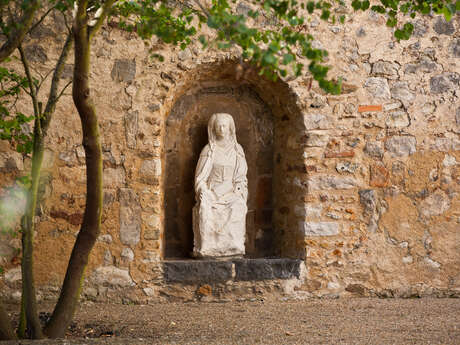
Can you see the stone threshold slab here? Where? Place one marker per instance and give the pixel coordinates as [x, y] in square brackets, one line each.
[215, 271]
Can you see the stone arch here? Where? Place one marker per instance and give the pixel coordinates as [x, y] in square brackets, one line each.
[264, 113]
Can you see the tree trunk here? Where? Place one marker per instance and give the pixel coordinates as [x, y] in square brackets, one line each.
[67, 303]
[6, 331]
[28, 286]
[29, 314]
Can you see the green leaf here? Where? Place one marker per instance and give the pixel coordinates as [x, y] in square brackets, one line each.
[446, 12]
[391, 22]
[365, 5]
[288, 58]
[356, 4]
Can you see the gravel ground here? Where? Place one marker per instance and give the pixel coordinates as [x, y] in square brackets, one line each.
[314, 321]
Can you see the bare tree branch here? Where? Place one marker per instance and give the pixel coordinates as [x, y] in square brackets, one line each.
[41, 19]
[32, 88]
[19, 31]
[53, 95]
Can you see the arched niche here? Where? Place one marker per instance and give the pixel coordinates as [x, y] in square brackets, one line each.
[264, 112]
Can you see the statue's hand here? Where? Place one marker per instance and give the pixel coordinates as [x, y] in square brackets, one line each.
[205, 195]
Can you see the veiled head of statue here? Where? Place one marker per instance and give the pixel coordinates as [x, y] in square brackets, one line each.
[221, 126]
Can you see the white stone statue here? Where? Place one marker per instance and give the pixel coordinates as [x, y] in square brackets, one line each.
[219, 216]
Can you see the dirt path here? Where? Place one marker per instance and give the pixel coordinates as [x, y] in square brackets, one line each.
[341, 321]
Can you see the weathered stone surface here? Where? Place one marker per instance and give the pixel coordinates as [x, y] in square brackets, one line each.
[202, 271]
[444, 27]
[106, 238]
[184, 54]
[420, 28]
[124, 70]
[112, 276]
[377, 87]
[317, 139]
[150, 171]
[324, 182]
[401, 146]
[379, 175]
[385, 69]
[114, 177]
[11, 161]
[36, 53]
[13, 275]
[444, 82]
[454, 48]
[374, 149]
[319, 228]
[131, 128]
[435, 204]
[397, 119]
[130, 217]
[400, 91]
[309, 210]
[368, 199]
[127, 254]
[346, 167]
[316, 121]
[266, 269]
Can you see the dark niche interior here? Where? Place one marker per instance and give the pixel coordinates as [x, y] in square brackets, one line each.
[185, 137]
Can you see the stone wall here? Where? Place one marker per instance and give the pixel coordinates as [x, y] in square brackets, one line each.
[363, 186]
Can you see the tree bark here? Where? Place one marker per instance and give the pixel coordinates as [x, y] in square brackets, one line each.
[29, 313]
[18, 33]
[6, 331]
[89, 231]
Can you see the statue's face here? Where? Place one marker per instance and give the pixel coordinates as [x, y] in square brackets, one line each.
[222, 127]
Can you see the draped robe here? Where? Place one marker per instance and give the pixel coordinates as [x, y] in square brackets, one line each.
[219, 218]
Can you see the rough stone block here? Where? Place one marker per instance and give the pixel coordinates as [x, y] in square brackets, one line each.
[435, 204]
[131, 128]
[11, 161]
[114, 177]
[368, 198]
[374, 149]
[401, 146]
[330, 182]
[379, 175]
[319, 228]
[309, 210]
[202, 271]
[130, 217]
[385, 69]
[443, 82]
[317, 139]
[397, 119]
[454, 48]
[443, 27]
[266, 269]
[112, 276]
[316, 121]
[150, 170]
[400, 91]
[346, 167]
[124, 70]
[377, 87]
